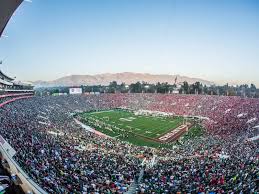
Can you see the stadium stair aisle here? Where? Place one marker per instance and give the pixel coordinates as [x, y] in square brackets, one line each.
[140, 175]
[134, 185]
[132, 189]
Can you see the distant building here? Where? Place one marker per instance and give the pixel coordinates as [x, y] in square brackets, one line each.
[9, 85]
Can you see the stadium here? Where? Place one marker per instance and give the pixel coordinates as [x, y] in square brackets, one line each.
[49, 136]
[126, 142]
[136, 126]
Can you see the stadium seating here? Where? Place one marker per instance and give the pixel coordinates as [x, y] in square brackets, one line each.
[47, 142]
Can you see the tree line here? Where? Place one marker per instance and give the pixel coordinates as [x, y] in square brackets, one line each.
[243, 90]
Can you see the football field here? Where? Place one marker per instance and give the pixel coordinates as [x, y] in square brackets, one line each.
[140, 129]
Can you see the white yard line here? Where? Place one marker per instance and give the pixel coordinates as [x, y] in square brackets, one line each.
[89, 129]
[92, 113]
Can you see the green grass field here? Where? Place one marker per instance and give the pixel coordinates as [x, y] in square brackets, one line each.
[139, 129]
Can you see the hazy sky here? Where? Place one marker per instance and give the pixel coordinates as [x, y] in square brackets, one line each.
[212, 39]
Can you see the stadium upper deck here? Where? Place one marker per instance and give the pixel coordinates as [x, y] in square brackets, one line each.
[9, 85]
[7, 8]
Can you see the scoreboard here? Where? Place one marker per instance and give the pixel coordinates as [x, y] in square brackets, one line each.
[75, 90]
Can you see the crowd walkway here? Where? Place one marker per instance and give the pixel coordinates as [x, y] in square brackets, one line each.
[135, 184]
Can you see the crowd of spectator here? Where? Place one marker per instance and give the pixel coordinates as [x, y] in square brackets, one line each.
[62, 157]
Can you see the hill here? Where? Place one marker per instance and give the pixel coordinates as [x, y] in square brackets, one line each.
[126, 77]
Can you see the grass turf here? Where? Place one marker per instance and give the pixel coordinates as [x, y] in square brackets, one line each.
[148, 126]
[140, 127]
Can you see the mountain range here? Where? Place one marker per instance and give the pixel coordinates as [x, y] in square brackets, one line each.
[126, 77]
